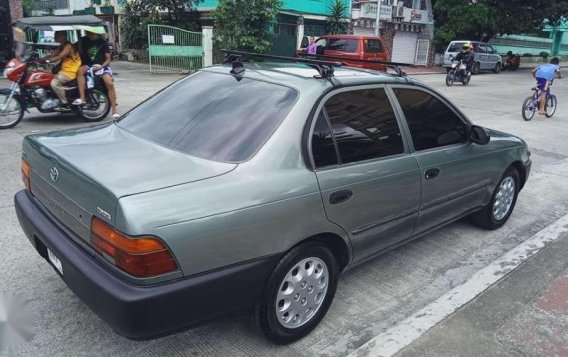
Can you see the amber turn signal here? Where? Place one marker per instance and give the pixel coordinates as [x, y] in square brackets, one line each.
[138, 256]
[26, 169]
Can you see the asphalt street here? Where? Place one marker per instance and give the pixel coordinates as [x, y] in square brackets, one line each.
[370, 299]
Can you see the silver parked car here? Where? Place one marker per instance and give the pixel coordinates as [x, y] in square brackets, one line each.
[251, 187]
[486, 58]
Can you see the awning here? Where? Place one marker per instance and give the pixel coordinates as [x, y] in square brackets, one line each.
[61, 23]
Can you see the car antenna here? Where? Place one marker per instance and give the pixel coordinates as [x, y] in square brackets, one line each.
[324, 68]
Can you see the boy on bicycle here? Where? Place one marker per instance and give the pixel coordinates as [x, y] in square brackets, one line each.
[544, 75]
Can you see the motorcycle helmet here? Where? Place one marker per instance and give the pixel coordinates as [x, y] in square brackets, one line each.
[465, 47]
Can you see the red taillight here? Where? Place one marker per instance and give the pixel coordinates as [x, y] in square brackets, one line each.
[26, 168]
[140, 256]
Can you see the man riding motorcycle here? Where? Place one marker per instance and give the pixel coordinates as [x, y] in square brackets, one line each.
[466, 56]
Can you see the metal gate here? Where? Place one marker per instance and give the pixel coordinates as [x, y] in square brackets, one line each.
[6, 35]
[284, 43]
[174, 50]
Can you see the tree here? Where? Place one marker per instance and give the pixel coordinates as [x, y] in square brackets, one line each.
[336, 20]
[245, 24]
[138, 14]
[483, 19]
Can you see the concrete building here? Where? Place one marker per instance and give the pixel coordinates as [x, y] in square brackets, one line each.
[297, 19]
[10, 11]
[406, 27]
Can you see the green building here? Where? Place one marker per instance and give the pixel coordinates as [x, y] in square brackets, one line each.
[297, 18]
[552, 40]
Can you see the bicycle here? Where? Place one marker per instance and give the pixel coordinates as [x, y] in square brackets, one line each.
[532, 104]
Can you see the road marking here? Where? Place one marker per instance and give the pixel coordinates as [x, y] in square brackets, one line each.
[407, 331]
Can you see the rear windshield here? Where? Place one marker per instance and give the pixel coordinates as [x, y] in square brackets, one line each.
[341, 44]
[455, 47]
[212, 116]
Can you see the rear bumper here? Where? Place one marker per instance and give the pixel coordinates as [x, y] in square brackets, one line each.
[142, 312]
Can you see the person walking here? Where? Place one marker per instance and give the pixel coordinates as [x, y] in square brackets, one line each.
[95, 55]
[312, 47]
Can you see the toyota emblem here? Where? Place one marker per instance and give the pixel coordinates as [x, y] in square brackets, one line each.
[54, 174]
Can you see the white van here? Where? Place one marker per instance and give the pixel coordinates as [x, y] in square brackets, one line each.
[486, 58]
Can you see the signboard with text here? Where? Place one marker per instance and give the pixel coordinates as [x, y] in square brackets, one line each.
[369, 10]
[416, 16]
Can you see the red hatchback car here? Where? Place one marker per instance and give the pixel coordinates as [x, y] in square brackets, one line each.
[350, 48]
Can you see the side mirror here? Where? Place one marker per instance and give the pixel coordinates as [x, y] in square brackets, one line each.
[479, 135]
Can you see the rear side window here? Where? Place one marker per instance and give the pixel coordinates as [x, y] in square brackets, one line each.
[341, 44]
[323, 148]
[212, 116]
[432, 123]
[455, 46]
[364, 125]
[373, 46]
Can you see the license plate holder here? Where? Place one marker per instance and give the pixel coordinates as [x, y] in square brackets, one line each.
[55, 261]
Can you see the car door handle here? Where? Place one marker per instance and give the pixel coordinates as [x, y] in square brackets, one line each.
[340, 196]
[431, 173]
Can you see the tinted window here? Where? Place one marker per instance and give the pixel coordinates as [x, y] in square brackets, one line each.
[323, 149]
[364, 125]
[373, 46]
[212, 116]
[455, 47]
[341, 44]
[431, 122]
[479, 48]
[490, 49]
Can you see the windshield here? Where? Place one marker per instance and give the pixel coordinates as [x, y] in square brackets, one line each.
[455, 47]
[212, 116]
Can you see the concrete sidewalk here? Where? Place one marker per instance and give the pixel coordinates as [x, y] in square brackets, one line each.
[524, 314]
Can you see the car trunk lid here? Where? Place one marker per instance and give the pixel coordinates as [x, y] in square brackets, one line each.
[79, 174]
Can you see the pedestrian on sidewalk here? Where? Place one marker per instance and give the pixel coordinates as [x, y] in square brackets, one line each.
[312, 47]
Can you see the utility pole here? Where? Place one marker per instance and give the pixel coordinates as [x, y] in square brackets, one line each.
[377, 22]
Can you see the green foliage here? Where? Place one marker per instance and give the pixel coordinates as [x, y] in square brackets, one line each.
[245, 24]
[544, 54]
[27, 7]
[528, 55]
[336, 20]
[482, 19]
[138, 14]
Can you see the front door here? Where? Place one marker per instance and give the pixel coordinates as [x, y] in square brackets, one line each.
[452, 169]
[369, 182]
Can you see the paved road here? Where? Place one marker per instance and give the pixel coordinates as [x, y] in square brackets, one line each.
[369, 300]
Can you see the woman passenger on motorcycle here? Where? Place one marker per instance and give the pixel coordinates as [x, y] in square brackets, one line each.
[70, 63]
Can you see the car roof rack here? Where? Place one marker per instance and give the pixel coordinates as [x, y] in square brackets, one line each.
[393, 65]
[324, 68]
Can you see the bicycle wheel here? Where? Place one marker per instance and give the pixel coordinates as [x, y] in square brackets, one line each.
[529, 108]
[550, 106]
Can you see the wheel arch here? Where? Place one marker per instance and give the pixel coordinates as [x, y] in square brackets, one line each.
[339, 247]
[521, 170]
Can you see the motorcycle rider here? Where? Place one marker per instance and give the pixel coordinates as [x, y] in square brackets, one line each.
[466, 56]
[70, 63]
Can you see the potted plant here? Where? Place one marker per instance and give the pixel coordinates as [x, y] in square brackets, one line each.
[95, 2]
[90, 10]
[108, 8]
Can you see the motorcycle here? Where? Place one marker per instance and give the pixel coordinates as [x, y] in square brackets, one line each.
[31, 87]
[511, 63]
[458, 73]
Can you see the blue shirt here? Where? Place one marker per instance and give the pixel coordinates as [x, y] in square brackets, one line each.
[546, 71]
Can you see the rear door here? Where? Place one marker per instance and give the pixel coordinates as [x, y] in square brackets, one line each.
[453, 170]
[369, 182]
[345, 48]
[374, 50]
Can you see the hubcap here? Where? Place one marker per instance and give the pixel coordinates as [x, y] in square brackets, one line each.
[302, 292]
[504, 198]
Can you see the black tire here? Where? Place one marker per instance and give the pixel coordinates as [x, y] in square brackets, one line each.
[486, 218]
[466, 79]
[265, 315]
[92, 111]
[450, 78]
[448, 69]
[497, 68]
[528, 110]
[18, 112]
[550, 106]
[475, 68]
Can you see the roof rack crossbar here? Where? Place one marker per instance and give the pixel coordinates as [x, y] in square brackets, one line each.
[394, 65]
[324, 68]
